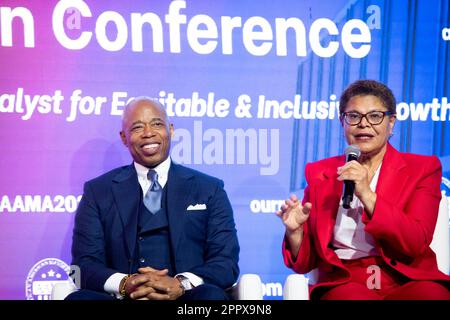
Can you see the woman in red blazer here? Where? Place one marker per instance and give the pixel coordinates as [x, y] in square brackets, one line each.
[379, 248]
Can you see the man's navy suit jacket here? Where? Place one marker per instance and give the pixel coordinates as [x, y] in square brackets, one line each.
[204, 242]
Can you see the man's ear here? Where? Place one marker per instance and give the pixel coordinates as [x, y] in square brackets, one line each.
[171, 130]
[123, 138]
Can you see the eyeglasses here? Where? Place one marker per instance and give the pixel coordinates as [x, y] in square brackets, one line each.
[353, 118]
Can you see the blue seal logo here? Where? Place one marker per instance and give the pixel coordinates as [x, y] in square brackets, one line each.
[43, 276]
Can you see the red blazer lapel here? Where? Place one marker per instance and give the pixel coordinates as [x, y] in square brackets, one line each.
[326, 195]
[393, 175]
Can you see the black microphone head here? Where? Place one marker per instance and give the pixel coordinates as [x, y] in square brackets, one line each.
[352, 152]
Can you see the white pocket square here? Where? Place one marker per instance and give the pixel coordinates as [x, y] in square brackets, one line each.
[197, 207]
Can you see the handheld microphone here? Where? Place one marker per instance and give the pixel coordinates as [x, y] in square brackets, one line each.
[352, 152]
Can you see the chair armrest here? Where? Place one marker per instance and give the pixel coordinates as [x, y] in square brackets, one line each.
[440, 243]
[62, 289]
[249, 287]
[296, 287]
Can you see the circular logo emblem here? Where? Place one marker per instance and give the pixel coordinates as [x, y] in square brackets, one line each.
[43, 276]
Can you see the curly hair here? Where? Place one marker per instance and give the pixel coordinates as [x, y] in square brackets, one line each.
[365, 88]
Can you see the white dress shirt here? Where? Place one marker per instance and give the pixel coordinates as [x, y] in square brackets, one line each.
[350, 240]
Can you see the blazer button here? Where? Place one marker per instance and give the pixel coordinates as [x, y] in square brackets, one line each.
[142, 260]
[141, 238]
[393, 262]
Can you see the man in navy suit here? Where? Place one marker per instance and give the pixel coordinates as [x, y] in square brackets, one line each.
[186, 248]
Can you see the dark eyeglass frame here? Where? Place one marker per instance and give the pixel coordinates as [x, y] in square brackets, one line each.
[385, 113]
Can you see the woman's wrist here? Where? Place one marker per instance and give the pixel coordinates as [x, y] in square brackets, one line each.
[296, 232]
[369, 203]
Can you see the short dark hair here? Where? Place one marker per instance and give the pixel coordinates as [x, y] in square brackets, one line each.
[368, 88]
